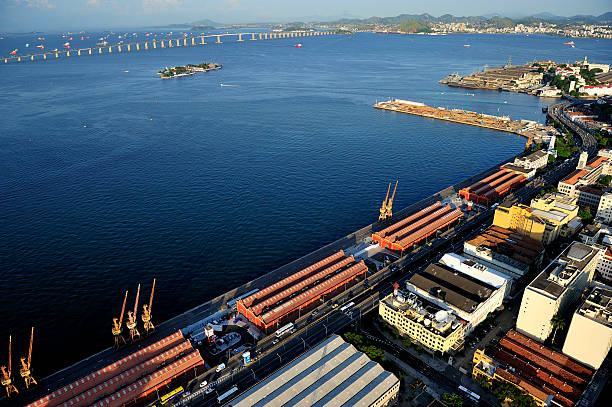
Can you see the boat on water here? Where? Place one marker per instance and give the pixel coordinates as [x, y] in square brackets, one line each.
[466, 45]
[40, 46]
[298, 45]
[569, 43]
[13, 52]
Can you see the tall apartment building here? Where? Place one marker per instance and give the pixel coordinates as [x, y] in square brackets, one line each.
[590, 333]
[579, 183]
[554, 289]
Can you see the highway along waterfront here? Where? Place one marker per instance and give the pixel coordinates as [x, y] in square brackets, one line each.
[113, 178]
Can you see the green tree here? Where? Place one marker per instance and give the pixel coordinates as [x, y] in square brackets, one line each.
[523, 400]
[605, 180]
[484, 383]
[452, 400]
[585, 214]
[504, 391]
[557, 321]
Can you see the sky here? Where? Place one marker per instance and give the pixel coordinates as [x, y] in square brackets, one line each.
[29, 15]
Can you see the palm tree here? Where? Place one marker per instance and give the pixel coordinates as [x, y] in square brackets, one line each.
[557, 322]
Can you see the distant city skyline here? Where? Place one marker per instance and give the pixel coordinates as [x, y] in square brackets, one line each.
[27, 15]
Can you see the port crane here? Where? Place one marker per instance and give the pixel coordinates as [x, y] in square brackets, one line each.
[133, 319]
[146, 312]
[117, 323]
[383, 208]
[386, 210]
[25, 370]
[6, 380]
[529, 143]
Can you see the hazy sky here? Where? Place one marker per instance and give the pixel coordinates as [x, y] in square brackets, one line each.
[25, 15]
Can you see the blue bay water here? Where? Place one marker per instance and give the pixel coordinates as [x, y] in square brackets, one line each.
[110, 178]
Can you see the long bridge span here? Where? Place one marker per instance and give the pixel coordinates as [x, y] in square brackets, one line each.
[162, 43]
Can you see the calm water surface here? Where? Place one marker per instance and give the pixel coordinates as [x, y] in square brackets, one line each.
[110, 178]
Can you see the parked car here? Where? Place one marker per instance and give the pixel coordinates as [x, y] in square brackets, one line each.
[220, 367]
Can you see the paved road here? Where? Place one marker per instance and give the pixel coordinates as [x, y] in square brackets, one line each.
[586, 139]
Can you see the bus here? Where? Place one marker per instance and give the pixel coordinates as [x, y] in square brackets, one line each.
[347, 306]
[173, 394]
[227, 394]
[284, 330]
[470, 394]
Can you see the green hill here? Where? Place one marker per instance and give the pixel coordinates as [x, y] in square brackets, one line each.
[413, 26]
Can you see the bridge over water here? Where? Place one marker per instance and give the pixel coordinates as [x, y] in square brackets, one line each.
[163, 43]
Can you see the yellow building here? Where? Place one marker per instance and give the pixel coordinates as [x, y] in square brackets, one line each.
[423, 322]
[547, 217]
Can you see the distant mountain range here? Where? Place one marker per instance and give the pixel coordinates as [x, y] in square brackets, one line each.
[496, 19]
[208, 24]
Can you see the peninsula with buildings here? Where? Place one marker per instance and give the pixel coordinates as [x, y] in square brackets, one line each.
[551, 79]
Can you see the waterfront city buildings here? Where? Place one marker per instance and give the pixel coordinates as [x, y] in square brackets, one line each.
[549, 377]
[589, 337]
[557, 287]
[546, 219]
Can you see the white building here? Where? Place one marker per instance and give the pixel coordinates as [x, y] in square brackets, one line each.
[604, 265]
[603, 89]
[590, 333]
[535, 160]
[554, 289]
[469, 298]
[604, 210]
[479, 271]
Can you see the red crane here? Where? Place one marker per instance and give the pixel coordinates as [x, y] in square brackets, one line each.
[6, 380]
[146, 312]
[119, 339]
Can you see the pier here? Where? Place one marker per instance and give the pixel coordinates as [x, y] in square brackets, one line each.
[500, 123]
[193, 41]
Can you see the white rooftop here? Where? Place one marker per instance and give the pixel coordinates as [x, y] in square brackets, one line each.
[475, 269]
[333, 373]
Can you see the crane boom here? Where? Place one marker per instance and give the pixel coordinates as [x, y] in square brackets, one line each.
[387, 197]
[9, 361]
[151, 298]
[30, 351]
[392, 196]
[136, 303]
[123, 308]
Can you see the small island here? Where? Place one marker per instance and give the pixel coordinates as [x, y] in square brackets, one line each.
[187, 70]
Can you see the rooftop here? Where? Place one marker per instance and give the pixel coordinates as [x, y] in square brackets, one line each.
[474, 269]
[591, 190]
[333, 373]
[574, 176]
[598, 306]
[559, 274]
[458, 290]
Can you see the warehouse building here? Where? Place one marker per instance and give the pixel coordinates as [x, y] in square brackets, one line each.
[505, 250]
[417, 227]
[425, 322]
[288, 299]
[590, 333]
[549, 377]
[468, 297]
[559, 285]
[130, 378]
[333, 373]
[490, 189]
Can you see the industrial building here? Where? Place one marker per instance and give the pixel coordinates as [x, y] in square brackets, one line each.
[417, 227]
[470, 298]
[559, 285]
[488, 190]
[547, 218]
[549, 377]
[130, 378]
[285, 300]
[425, 322]
[333, 373]
[590, 333]
[478, 271]
[505, 250]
